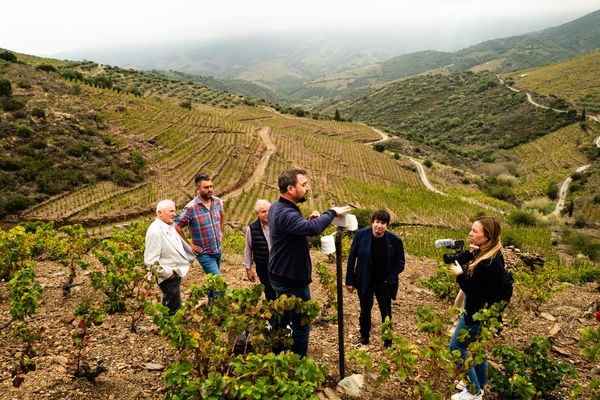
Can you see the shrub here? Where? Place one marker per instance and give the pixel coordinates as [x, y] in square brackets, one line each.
[24, 131]
[552, 191]
[541, 204]
[12, 104]
[209, 337]
[46, 67]
[71, 75]
[5, 87]
[579, 243]
[186, 104]
[14, 203]
[38, 112]
[523, 218]
[529, 374]
[428, 163]
[24, 85]
[442, 283]
[379, 147]
[8, 56]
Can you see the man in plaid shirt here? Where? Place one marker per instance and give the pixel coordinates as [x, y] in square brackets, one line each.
[205, 218]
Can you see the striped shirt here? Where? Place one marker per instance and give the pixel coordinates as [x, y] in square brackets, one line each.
[204, 224]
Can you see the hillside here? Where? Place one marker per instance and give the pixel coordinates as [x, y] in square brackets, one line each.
[52, 142]
[576, 81]
[547, 46]
[230, 141]
[468, 114]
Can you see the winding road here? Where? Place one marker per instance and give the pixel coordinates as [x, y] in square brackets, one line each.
[564, 187]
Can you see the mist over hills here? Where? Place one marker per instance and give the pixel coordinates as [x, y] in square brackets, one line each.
[512, 53]
[284, 61]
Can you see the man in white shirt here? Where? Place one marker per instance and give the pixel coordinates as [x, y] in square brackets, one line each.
[258, 245]
[167, 255]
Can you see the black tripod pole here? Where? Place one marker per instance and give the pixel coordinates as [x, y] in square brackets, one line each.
[340, 300]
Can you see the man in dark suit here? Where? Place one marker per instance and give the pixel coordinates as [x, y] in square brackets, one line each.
[375, 261]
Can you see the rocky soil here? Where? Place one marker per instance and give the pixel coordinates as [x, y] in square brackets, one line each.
[135, 360]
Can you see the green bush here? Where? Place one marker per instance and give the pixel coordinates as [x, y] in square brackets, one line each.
[5, 87]
[552, 191]
[24, 85]
[71, 75]
[522, 218]
[8, 56]
[46, 67]
[11, 104]
[528, 374]
[442, 283]
[13, 203]
[580, 243]
[38, 112]
[24, 131]
[186, 104]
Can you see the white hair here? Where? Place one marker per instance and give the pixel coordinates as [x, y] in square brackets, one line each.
[259, 203]
[163, 204]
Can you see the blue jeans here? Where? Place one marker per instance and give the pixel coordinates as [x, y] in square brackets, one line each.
[210, 263]
[171, 294]
[300, 332]
[477, 375]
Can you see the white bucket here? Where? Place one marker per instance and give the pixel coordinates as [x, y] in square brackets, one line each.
[347, 221]
[328, 244]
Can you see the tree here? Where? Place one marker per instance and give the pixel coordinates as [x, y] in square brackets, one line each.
[5, 87]
[583, 116]
[337, 116]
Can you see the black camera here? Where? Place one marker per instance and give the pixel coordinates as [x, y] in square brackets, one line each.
[456, 245]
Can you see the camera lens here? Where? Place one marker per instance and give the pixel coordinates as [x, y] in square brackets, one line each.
[449, 258]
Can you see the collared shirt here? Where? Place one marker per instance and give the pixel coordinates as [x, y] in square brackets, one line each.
[248, 249]
[204, 224]
[171, 233]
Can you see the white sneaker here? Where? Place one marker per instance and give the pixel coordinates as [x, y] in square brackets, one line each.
[462, 385]
[465, 395]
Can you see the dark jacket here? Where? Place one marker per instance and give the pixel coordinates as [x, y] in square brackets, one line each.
[289, 261]
[483, 287]
[358, 274]
[260, 247]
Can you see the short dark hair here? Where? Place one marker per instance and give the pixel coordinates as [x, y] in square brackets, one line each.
[201, 177]
[382, 216]
[289, 178]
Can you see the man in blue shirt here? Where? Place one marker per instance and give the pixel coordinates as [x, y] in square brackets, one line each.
[290, 267]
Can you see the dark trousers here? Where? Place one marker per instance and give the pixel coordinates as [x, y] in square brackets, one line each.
[383, 292]
[263, 276]
[300, 331]
[171, 294]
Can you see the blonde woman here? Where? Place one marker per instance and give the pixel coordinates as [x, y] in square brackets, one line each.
[480, 282]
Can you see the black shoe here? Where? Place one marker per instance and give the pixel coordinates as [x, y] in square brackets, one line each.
[387, 343]
[364, 340]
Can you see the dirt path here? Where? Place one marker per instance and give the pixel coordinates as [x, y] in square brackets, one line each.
[564, 187]
[384, 136]
[529, 98]
[259, 171]
[424, 178]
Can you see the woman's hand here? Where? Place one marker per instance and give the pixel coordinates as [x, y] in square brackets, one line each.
[456, 269]
[473, 248]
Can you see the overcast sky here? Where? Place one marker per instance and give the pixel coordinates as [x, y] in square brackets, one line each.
[47, 27]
